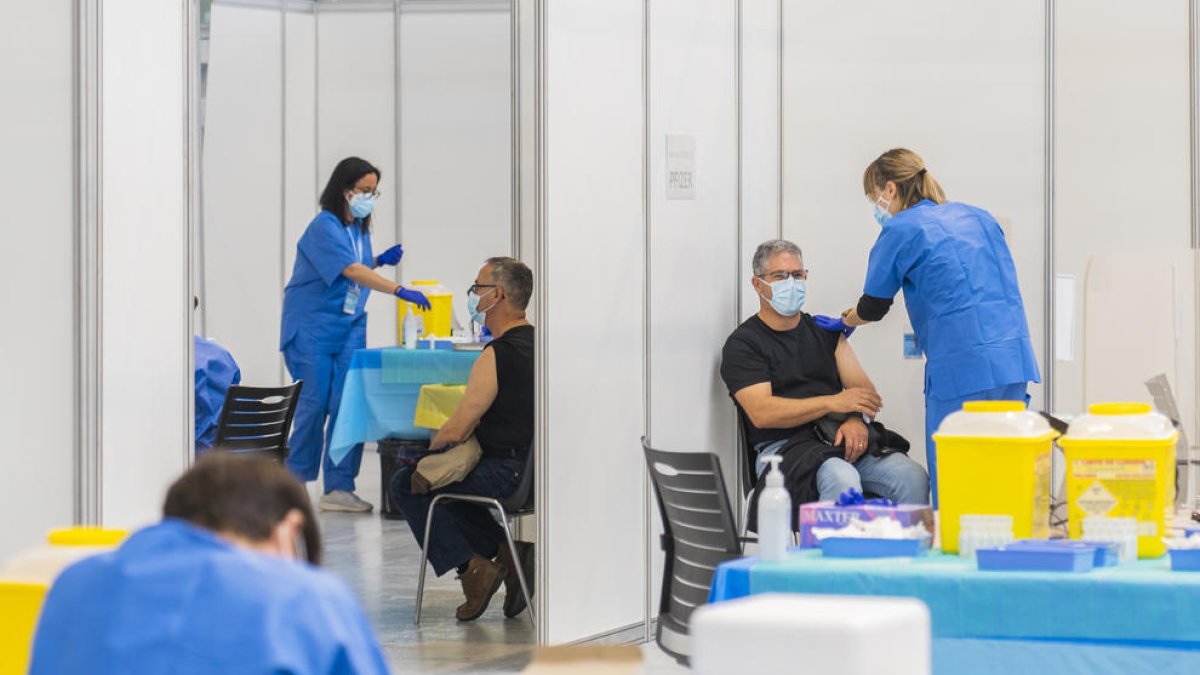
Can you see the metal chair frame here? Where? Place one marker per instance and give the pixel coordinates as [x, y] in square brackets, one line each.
[519, 504]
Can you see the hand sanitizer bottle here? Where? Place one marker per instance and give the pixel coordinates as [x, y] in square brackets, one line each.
[774, 515]
[410, 329]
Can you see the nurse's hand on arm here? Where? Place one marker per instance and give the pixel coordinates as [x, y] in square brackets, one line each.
[363, 276]
[482, 388]
[853, 433]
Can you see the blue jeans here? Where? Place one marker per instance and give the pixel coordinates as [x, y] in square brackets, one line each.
[323, 375]
[937, 410]
[460, 529]
[893, 476]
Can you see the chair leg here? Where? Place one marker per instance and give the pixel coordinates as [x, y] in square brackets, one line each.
[512, 549]
[424, 559]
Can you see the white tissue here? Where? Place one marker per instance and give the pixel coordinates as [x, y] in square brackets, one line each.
[878, 528]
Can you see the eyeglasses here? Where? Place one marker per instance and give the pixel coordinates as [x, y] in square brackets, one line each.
[475, 287]
[374, 194]
[780, 275]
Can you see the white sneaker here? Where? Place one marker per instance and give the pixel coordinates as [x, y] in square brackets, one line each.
[341, 500]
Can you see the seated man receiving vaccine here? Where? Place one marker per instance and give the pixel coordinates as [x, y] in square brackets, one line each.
[804, 395]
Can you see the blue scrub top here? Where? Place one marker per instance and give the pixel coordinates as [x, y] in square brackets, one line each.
[174, 598]
[215, 372]
[960, 287]
[313, 320]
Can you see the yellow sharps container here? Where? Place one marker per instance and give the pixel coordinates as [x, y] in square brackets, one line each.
[438, 319]
[26, 579]
[1121, 464]
[993, 458]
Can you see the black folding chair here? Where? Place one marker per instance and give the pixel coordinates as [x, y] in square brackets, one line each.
[698, 534]
[515, 505]
[257, 420]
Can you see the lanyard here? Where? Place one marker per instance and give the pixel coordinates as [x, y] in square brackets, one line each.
[355, 242]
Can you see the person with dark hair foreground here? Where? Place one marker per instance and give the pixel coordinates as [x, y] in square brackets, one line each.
[216, 587]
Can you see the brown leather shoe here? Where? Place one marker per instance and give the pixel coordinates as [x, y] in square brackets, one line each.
[514, 600]
[480, 582]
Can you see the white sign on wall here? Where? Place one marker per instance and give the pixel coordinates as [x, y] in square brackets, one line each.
[681, 166]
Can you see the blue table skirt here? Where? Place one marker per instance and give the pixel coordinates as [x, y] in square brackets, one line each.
[1136, 613]
[381, 391]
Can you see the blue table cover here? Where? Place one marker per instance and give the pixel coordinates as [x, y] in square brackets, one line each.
[1137, 617]
[381, 390]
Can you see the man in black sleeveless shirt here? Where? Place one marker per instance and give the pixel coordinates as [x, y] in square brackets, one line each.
[497, 409]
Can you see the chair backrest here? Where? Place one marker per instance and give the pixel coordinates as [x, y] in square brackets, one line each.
[747, 455]
[257, 420]
[699, 534]
[521, 499]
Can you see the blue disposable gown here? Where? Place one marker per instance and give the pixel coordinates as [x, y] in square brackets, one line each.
[313, 300]
[216, 371]
[960, 287]
[177, 599]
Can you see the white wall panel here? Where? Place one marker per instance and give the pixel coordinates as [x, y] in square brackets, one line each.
[301, 175]
[146, 300]
[356, 117]
[1122, 158]
[243, 188]
[761, 140]
[37, 348]
[963, 88]
[594, 242]
[455, 145]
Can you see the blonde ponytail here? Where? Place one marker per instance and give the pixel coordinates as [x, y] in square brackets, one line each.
[907, 170]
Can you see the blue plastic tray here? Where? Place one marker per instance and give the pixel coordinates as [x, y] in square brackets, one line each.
[1036, 558]
[1185, 560]
[1107, 554]
[850, 547]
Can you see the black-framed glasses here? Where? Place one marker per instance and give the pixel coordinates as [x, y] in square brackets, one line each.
[475, 287]
[780, 275]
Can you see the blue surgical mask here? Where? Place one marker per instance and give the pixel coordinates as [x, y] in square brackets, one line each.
[479, 317]
[361, 205]
[881, 211]
[787, 296]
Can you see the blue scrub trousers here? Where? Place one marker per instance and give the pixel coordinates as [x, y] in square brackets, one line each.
[323, 375]
[936, 410]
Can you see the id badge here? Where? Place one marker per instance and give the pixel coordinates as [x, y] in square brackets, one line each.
[351, 303]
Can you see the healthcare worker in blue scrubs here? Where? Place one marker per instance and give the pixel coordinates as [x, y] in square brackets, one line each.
[960, 288]
[325, 320]
[221, 586]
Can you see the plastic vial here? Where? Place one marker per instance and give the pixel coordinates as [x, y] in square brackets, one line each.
[410, 329]
[774, 515]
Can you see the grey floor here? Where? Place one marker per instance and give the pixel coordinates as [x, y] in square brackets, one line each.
[378, 558]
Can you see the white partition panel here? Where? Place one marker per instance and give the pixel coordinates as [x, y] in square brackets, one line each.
[1122, 179]
[593, 554]
[243, 188]
[693, 241]
[965, 89]
[455, 147]
[761, 126]
[300, 171]
[356, 117]
[37, 351]
[147, 378]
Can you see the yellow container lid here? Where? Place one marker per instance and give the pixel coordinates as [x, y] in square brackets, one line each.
[1121, 421]
[996, 420]
[86, 536]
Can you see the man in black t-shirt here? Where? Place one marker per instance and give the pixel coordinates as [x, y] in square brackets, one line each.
[803, 394]
[497, 409]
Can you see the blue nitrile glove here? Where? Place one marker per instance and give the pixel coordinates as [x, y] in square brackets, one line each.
[391, 256]
[852, 497]
[415, 297]
[833, 324]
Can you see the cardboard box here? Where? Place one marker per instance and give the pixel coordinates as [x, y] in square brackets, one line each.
[826, 514]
